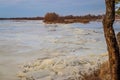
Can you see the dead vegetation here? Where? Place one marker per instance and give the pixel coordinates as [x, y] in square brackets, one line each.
[55, 18]
[103, 73]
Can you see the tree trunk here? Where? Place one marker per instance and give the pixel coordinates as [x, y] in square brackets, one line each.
[111, 41]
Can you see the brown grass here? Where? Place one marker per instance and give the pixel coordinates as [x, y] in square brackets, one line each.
[103, 73]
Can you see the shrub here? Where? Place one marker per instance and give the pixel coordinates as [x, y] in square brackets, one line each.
[51, 17]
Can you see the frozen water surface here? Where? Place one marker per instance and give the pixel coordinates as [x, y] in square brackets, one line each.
[23, 41]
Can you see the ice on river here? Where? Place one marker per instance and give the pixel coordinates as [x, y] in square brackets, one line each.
[57, 50]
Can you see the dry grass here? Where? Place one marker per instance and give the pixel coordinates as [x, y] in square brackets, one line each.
[101, 74]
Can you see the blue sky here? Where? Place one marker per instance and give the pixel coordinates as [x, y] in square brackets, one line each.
[29, 8]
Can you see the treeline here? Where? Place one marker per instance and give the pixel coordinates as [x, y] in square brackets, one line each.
[23, 18]
[55, 18]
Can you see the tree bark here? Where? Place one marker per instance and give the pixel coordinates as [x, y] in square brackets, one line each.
[111, 41]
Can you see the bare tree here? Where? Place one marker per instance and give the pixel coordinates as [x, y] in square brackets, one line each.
[111, 41]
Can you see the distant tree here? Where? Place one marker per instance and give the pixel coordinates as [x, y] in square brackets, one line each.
[51, 17]
[112, 45]
[117, 7]
[117, 1]
[69, 17]
[118, 38]
[118, 11]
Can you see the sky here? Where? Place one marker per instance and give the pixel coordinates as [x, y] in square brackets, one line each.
[33, 8]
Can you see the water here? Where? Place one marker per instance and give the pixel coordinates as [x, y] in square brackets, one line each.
[22, 41]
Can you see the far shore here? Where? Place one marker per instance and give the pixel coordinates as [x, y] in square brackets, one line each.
[55, 18]
[65, 19]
